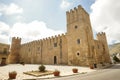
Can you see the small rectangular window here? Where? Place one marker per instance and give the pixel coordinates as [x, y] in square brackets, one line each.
[78, 41]
[55, 44]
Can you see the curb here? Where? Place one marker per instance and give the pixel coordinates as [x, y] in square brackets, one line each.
[58, 76]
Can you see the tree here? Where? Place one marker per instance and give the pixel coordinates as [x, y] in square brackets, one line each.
[115, 58]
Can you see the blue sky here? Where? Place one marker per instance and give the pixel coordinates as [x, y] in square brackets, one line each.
[35, 19]
[44, 10]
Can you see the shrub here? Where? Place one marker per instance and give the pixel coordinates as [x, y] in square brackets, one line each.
[42, 68]
[115, 58]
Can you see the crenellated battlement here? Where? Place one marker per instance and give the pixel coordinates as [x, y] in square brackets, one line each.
[76, 9]
[101, 34]
[76, 14]
[48, 40]
[16, 40]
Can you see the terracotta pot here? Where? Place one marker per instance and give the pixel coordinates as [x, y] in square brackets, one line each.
[91, 67]
[12, 76]
[56, 73]
[75, 70]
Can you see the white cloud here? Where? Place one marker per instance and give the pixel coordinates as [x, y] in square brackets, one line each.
[65, 4]
[32, 31]
[10, 9]
[19, 18]
[3, 26]
[105, 17]
[0, 14]
[4, 32]
[27, 31]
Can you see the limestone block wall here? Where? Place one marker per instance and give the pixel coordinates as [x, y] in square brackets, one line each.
[4, 48]
[4, 51]
[102, 38]
[30, 52]
[99, 53]
[14, 50]
[44, 51]
[79, 37]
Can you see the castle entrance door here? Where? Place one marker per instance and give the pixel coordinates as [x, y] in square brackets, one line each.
[55, 60]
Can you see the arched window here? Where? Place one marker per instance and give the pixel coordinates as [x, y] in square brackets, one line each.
[78, 54]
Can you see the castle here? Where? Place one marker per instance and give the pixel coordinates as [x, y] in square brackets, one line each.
[76, 47]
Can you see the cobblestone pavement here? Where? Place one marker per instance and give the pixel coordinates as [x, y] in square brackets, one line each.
[65, 70]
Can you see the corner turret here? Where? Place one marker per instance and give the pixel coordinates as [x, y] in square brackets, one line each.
[15, 50]
[102, 38]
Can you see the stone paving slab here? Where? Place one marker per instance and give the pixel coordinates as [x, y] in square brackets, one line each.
[64, 70]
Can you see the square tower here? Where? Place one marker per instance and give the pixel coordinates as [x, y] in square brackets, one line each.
[79, 37]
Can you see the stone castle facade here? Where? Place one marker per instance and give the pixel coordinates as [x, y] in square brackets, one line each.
[76, 47]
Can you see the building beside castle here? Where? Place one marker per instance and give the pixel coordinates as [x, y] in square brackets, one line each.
[76, 47]
[4, 52]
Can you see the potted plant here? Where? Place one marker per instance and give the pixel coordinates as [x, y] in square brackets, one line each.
[91, 67]
[75, 70]
[12, 75]
[42, 68]
[56, 73]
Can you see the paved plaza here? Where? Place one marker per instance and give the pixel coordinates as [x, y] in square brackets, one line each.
[64, 70]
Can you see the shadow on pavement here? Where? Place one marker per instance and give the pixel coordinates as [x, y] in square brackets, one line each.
[115, 66]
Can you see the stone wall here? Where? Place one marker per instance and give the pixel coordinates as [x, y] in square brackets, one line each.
[44, 51]
[14, 51]
[79, 29]
[102, 38]
[4, 51]
[99, 53]
[4, 48]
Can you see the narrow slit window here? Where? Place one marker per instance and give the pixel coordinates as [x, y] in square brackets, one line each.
[78, 41]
